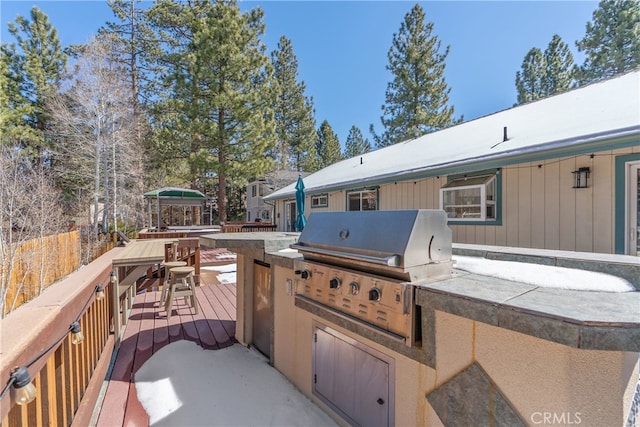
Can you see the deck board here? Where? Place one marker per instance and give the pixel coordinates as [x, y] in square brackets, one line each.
[219, 334]
[224, 324]
[148, 330]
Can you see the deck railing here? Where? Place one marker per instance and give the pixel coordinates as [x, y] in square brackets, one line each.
[67, 376]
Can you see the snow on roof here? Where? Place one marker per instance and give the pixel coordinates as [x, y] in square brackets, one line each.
[599, 111]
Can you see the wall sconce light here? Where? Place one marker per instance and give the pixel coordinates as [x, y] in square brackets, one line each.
[99, 293]
[23, 391]
[580, 177]
[76, 333]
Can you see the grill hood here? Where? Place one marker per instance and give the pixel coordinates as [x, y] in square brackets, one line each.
[409, 245]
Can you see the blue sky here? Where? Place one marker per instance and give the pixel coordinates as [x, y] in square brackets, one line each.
[342, 46]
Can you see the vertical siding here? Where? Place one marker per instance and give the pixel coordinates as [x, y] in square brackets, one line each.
[501, 230]
[567, 219]
[540, 207]
[551, 204]
[510, 205]
[337, 202]
[436, 184]
[384, 198]
[537, 215]
[603, 166]
[584, 209]
[525, 205]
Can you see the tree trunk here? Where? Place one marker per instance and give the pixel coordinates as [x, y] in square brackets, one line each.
[222, 176]
[96, 190]
[222, 190]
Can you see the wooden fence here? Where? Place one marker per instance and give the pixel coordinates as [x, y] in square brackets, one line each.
[29, 267]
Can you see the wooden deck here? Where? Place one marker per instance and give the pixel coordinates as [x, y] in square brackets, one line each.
[148, 330]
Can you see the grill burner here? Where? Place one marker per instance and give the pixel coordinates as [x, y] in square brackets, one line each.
[366, 264]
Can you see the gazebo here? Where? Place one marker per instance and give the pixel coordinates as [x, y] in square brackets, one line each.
[191, 205]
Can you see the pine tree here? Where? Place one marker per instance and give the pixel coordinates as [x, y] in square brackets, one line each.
[611, 42]
[295, 124]
[14, 130]
[531, 81]
[327, 146]
[34, 73]
[416, 100]
[137, 47]
[559, 67]
[545, 74]
[356, 144]
[217, 113]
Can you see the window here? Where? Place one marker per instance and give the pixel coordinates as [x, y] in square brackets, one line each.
[320, 201]
[258, 189]
[363, 200]
[470, 198]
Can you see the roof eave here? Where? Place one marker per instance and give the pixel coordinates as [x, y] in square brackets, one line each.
[570, 146]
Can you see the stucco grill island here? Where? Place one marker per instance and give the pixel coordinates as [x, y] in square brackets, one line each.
[370, 315]
[365, 265]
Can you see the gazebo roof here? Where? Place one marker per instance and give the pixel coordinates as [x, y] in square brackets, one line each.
[175, 193]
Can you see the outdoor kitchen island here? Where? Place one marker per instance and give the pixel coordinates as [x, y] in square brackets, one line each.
[471, 349]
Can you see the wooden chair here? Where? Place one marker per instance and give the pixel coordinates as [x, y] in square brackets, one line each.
[181, 284]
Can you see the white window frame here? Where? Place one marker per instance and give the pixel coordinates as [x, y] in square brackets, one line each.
[360, 193]
[458, 184]
[318, 199]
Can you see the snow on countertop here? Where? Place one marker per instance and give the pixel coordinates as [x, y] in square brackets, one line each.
[543, 275]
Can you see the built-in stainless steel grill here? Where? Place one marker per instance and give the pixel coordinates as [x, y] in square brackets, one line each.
[367, 264]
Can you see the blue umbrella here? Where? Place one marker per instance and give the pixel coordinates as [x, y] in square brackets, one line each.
[301, 221]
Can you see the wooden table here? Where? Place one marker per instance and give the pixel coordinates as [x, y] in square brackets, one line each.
[138, 257]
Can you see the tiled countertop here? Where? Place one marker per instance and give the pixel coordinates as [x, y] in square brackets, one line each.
[580, 319]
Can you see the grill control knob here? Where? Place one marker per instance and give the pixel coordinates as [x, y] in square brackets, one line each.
[375, 294]
[354, 288]
[335, 283]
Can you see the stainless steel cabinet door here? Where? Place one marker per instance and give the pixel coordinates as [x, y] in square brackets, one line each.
[355, 383]
[262, 312]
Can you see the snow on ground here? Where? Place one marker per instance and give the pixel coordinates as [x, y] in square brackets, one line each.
[226, 273]
[184, 385]
[543, 275]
